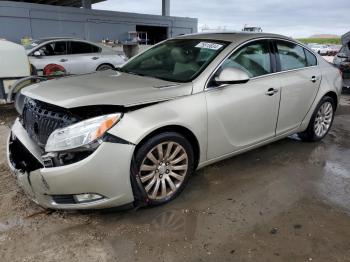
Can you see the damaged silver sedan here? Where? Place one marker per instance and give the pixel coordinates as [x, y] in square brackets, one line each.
[134, 135]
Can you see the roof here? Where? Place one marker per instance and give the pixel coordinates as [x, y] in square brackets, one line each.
[232, 36]
[72, 3]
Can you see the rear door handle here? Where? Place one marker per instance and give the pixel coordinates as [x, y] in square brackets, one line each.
[95, 58]
[63, 60]
[271, 91]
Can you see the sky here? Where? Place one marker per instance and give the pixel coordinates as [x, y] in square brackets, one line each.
[295, 18]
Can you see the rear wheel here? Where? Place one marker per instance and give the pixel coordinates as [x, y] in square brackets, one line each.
[321, 120]
[162, 167]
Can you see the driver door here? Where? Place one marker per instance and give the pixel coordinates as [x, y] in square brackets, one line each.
[241, 115]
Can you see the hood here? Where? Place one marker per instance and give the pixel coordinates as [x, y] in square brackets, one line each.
[105, 88]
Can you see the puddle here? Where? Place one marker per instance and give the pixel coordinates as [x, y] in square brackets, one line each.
[335, 184]
[11, 223]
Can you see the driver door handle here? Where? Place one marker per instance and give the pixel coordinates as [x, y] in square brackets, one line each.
[63, 60]
[271, 91]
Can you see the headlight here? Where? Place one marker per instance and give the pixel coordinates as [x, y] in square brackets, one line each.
[80, 134]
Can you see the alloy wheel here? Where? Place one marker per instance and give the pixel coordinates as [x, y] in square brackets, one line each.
[163, 170]
[323, 119]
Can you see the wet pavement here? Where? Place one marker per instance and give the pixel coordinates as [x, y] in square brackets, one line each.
[288, 201]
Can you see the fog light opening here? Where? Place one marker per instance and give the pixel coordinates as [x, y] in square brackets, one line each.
[87, 197]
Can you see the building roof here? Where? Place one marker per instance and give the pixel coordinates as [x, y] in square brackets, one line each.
[71, 3]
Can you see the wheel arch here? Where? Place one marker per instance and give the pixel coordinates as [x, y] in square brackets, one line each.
[109, 64]
[334, 96]
[184, 131]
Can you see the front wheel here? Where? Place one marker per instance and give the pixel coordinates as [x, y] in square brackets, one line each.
[321, 120]
[161, 167]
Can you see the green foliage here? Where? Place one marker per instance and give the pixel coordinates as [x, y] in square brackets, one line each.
[334, 41]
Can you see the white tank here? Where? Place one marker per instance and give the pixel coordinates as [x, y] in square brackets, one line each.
[13, 61]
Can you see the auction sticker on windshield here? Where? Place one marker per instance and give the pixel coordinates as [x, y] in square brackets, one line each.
[208, 45]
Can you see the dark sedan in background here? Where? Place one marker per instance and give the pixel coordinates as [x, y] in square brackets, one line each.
[342, 61]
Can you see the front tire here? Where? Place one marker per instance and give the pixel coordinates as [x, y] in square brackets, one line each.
[321, 120]
[161, 168]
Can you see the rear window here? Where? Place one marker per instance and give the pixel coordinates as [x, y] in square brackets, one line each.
[292, 56]
[82, 48]
[310, 58]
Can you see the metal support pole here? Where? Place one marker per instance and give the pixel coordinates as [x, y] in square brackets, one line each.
[165, 7]
[86, 4]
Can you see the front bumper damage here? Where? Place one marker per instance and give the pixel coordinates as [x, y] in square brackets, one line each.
[105, 172]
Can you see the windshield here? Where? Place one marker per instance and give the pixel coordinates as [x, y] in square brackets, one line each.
[177, 60]
[33, 44]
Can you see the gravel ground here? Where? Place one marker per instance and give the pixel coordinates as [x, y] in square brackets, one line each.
[288, 201]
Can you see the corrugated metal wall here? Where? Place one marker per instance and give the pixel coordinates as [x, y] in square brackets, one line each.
[37, 21]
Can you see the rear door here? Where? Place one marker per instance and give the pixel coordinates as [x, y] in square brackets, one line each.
[83, 57]
[300, 79]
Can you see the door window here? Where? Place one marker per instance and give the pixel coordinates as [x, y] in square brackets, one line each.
[292, 56]
[54, 48]
[82, 48]
[310, 58]
[253, 58]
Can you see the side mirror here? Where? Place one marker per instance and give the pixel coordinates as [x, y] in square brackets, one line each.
[232, 76]
[342, 55]
[37, 53]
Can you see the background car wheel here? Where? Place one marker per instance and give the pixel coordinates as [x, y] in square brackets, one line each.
[162, 167]
[321, 120]
[104, 67]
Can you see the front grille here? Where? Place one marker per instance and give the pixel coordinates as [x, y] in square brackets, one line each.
[41, 119]
[346, 75]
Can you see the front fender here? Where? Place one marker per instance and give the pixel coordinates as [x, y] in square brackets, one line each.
[189, 112]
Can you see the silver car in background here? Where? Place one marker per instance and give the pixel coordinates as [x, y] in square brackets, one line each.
[320, 49]
[136, 134]
[74, 55]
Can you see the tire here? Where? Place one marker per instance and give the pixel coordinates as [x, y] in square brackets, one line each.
[316, 130]
[150, 175]
[104, 67]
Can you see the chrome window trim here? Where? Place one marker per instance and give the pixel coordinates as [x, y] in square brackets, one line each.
[266, 75]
